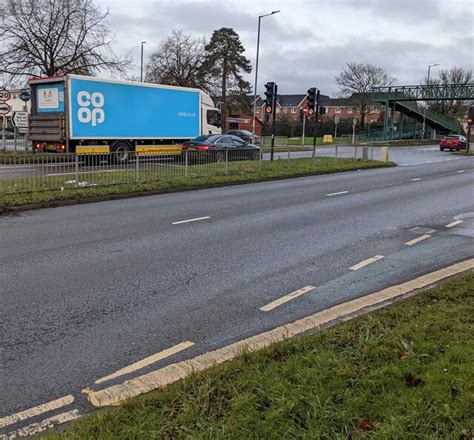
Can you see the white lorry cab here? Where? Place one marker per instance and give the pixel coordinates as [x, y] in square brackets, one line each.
[74, 113]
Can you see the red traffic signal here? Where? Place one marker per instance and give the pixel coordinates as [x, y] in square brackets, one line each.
[470, 116]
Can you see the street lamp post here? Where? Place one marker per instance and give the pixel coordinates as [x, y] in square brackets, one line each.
[141, 62]
[256, 72]
[424, 112]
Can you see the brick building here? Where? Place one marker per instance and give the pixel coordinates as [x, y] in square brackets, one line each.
[291, 106]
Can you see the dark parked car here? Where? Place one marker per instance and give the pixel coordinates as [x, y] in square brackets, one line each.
[452, 142]
[221, 147]
[245, 135]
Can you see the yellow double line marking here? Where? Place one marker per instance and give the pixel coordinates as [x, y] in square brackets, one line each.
[36, 410]
[36, 428]
[147, 361]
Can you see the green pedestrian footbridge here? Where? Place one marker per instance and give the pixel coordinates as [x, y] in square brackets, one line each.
[404, 100]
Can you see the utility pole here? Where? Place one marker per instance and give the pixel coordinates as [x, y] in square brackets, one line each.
[256, 72]
[141, 62]
[424, 112]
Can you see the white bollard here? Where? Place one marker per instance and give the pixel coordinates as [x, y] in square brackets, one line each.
[384, 154]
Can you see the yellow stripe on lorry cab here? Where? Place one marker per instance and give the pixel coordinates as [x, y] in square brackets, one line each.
[85, 149]
[158, 149]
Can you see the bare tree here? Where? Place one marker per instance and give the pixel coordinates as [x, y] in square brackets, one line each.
[357, 80]
[179, 61]
[51, 37]
[452, 108]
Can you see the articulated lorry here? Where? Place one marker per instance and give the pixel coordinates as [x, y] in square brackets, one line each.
[81, 114]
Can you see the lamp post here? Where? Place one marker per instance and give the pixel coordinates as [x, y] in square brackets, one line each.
[424, 112]
[256, 72]
[141, 62]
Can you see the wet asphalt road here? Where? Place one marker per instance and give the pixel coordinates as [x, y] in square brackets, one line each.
[87, 290]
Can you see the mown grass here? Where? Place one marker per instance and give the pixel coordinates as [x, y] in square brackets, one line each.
[404, 372]
[123, 182]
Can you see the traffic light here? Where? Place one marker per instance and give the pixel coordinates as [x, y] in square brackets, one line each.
[311, 100]
[269, 96]
[470, 115]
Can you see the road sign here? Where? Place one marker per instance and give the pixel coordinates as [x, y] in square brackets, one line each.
[22, 130]
[4, 95]
[25, 96]
[337, 118]
[354, 122]
[4, 108]
[20, 119]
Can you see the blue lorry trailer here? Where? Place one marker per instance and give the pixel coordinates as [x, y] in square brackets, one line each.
[74, 113]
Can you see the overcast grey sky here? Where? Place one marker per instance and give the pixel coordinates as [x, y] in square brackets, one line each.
[310, 41]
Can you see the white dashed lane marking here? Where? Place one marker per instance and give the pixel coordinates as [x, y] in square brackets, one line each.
[366, 262]
[286, 298]
[417, 239]
[453, 224]
[191, 220]
[336, 193]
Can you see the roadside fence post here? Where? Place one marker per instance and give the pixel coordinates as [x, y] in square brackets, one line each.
[226, 162]
[289, 155]
[355, 152]
[335, 156]
[185, 163]
[76, 169]
[4, 133]
[15, 138]
[137, 167]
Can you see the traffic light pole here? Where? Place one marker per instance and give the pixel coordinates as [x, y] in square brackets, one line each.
[272, 148]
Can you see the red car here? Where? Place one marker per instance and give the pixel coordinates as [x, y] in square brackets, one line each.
[452, 142]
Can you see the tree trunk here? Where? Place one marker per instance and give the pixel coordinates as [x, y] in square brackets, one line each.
[224, 94]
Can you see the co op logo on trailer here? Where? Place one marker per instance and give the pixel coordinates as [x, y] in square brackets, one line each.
[90, 108]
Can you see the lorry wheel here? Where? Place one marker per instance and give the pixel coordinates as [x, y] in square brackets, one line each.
[120, 152]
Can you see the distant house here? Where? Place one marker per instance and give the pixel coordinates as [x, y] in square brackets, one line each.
[345, 108]
[291, 107]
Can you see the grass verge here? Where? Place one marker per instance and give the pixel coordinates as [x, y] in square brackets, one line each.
[404, 372]
[239, 172]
